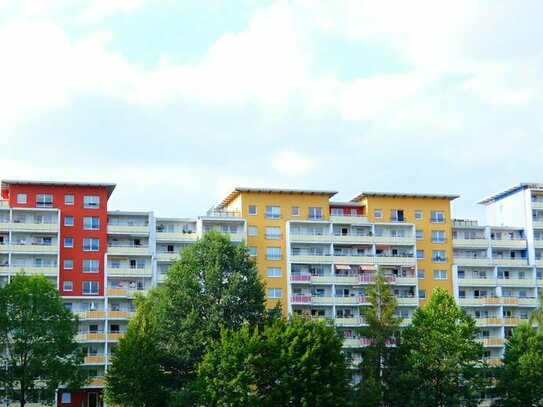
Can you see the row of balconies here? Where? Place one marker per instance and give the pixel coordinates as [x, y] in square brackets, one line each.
[354, 279]
[495, 243]
[362, 259]
[346, 300]
[103, 314]
[495, 321]
[99, 336]
[353, 238]
[493, 282]
[485, 261]
[476, 301]
[29, 226]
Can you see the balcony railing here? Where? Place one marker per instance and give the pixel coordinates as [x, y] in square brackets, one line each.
[34, 248]
[35, 226]
[139, 228]
[475, 242]
[347, 218]
[124, 250]
[128, 271]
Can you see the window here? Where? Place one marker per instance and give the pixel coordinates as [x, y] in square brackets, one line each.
[396, 215]
[273, 253]
[421, 274]
[295, 211]
[44, 201]
[90, 287]
[91, 244]
[252, 210]
[21, 198]
[273, 212]
[253, 230]
[420, 254]
[419, 234]
[66, 397]
[438, 236]
[438, 256]
[336, 212]
[422, 294]
[68, 221]
[378, 213]
[252, 251]
[68, 242]
[68, 285]
[273, 272]
[315, 213]
[275, 293]
[437, 217]
[521, 275]
[91, 223]
[68, 264]
[68, 199]
[91, 266]
[418, 214]
[273, 232]
[440, 274]
[91, 201]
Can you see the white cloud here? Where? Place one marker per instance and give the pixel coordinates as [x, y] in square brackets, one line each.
[291, 163]
[102, 8]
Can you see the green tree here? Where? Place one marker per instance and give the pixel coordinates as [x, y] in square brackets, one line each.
[214, 285]
[382, 329]
[290, 363]
[520, 379]
[37, 334]
[138, 360]
[441, 360]
[536, 317]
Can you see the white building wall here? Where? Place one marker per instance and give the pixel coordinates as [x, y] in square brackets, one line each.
[510, 210]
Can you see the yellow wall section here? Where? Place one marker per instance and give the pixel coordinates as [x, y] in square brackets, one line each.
[409, 205]
[285, 200]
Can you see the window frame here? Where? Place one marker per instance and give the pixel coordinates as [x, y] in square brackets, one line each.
[20, 199]
[91, 285]
[68, 201]
[275, 291]
[252, 210]
[65, 242]
[91, 201]
[274, 274]
[92, 226]
[43, 202]
[69, 217]
[90, 247]
[65, 264]
[65, 284]
[90, 270]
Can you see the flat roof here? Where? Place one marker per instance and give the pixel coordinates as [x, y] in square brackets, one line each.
[404, 195]
[110, 187]
[237, 191]
[510, 191]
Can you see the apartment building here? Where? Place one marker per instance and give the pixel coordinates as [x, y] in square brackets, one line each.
[315, 255]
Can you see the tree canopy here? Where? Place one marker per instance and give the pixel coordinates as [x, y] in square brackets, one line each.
[382, 329]
[520, 379]
[213, 285]
[297, 362]
[441, 360]
[37, 335]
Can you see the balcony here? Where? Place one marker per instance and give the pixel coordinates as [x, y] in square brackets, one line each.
[176, 236]
[352, 239]
[515, 282]
[34, 227]
[34, 248]
[356, 342]
[395, 260]
[311, 258]
[129, 271]
[46, 270]
[97, 381]
[124, 292]
[478, 301]
[407, 301]
[488, 321]
[348, 219]
[349, 321]
[510, 262]
[354, 259]
[128, 228]
[539, 262]
[538, 224]
[120, 314]
[95, 314]
[95, 359]
[495, 341]
[300, 299]
[538, 243]
[301, 278]
[511, 321]
[127, 250]
[167, 256]
[90, 337]
[310, 238]
[537, 204]
[476, 282]
[115, 336]
[405, 280]
[395, 240]
[508, 243]
[471, 261]
[470, 243]
[492, 361]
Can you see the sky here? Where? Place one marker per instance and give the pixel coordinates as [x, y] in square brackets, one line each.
[179, 102]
